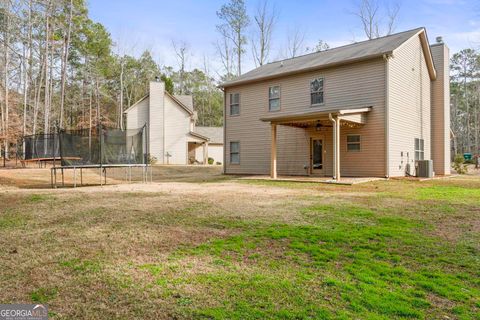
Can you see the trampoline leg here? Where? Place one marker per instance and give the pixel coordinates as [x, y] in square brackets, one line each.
[81, 176]
[100, 171]
[74, 177]
[55, 177]
[51, 178]
[105, 173]
[63, 179]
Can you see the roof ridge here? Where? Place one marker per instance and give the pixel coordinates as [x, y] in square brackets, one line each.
[346, 45]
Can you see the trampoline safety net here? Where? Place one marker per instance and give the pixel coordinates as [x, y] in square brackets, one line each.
[99, 146]
[41, 146]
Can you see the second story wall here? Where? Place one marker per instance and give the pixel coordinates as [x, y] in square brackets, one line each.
[177, 126]
[409, 106]
[355, 85]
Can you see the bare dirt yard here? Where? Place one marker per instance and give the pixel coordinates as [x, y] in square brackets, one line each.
[198, 244]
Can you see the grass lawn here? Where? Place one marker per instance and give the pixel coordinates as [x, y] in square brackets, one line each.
[221, 248]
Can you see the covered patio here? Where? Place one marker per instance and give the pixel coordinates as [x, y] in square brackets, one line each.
[335, 118]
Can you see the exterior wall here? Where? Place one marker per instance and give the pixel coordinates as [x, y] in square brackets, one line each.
[409, 106]
[355, 85]
[156, 121]
[177, 126]
[441, 111]
[137, 117]
[215, 151]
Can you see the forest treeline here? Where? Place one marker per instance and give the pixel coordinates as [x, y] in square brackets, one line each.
[58, 67]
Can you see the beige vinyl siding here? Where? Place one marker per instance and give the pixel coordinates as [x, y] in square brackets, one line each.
[137, 117]
[441, 111]
[215, 151]
[157, 130]
[355, 85]
[409, 106]
[177, 126]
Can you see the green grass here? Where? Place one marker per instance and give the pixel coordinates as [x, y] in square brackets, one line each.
[383, 250]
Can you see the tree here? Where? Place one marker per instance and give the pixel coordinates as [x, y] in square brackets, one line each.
[371, 14]
[265, 18]
[181, 51]
[235, 21]
[295, 39]
[321, 46]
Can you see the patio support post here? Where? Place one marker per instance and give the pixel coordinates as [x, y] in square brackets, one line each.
[273, 152]
[205, 153]
[336, 146]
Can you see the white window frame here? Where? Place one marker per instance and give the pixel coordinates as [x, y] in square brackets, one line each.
[317, 92]
[238, 152]
[270, 99]
[359, 142]
[234, 104]
[419, 149]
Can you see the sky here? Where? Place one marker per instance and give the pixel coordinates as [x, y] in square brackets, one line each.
[137, 25]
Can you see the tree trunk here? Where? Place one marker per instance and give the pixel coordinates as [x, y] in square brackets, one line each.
[64, 64]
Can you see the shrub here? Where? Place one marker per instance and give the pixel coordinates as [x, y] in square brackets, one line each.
[151, 159]
[459, 164]
[211, 161]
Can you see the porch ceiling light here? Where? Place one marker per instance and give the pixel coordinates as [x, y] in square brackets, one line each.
[318, 126]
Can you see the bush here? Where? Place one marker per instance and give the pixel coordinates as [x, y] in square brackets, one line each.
[151, 159]
[211, 161]
[459, 164]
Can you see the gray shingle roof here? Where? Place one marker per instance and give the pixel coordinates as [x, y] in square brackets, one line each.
[335, 56]
[215, 134]
[186, 100]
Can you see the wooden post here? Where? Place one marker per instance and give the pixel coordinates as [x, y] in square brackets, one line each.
[273, 152]
[205, 153]
[337, 149]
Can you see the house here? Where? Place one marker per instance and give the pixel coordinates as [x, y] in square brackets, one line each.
[171, 133]
[368, 109]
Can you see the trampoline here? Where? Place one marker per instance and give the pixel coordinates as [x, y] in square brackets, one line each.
[99, 148]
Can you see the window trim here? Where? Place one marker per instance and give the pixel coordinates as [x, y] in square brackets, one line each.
[279, 98]
[323, 91]
[230, 104]
[230, 152]
[355, 143]
[420, 151]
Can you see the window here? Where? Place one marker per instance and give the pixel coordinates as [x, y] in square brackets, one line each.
[316, 91]
[274, 98]
[353, 142]
[235, 152]
[234, 104]
[419, 149]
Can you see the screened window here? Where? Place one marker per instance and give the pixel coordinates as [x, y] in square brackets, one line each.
[234, 104]
[274, 98]
[234, 152]
[419, 149]
[353, 142]
[316, 91]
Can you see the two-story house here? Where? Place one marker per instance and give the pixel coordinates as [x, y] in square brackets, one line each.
[370, 109]
[172, 137]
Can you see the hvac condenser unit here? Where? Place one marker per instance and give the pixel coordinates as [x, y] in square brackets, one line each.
[424, 168]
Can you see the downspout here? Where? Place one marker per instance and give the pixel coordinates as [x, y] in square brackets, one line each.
[334, 121]
[387, 116]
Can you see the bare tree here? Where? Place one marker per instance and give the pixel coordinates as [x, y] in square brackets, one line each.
[235, 21]
[370, 13]
[225, 52]
[265, 18]
[66, 46]
[295, 39]
[181, 51]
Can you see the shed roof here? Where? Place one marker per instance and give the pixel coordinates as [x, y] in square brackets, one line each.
[358, 51]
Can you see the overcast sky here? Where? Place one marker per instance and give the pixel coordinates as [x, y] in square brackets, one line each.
[136, 25]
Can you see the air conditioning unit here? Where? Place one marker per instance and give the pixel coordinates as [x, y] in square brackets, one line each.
[424, 168]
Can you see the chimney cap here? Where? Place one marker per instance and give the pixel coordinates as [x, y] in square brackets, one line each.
[439, 39]
[157, 78]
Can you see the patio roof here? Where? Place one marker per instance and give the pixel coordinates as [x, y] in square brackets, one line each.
[310, 115]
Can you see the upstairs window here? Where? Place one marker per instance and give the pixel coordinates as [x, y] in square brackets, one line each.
[234, 152]
[353, 143]
[316, 91]
[419, 149]
[234, 104]
[274, 98]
